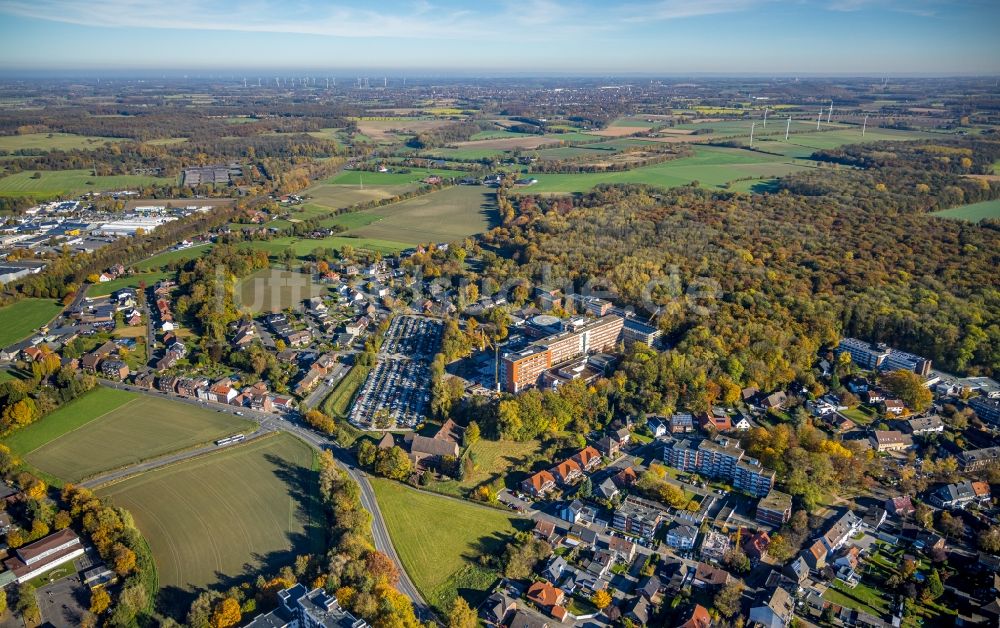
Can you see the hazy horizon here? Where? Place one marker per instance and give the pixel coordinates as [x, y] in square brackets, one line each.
[646, 38]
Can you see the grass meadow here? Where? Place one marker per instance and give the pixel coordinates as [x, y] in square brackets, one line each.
[107, 434]
[220, 519]
[438, 539]
[19, 320]
[53, 183]
[53, 141]
[450, 214]
[972, 213]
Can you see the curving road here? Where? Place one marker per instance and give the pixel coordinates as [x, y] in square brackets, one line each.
[269, 423]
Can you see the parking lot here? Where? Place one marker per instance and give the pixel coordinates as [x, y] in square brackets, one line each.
[413, 337]
[396, 394]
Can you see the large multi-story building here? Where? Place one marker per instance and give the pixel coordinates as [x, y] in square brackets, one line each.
[976, 459]
[879, 356]
[302, 608]
[638, 517]
[721, 459]
[987, 409]
[635, 331]
[581, 337]
[774, 509]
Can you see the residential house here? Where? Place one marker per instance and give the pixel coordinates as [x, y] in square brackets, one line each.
[797, 569]
[657, 426]
[649, 588]
[892, 406]
[607, 489]
[901, 506]
[681, 423]
[696, 617]
[709, 577]
[774, 401]
[639, 611]
[774, 609]
[609, 446]
[961, 495]
[555, 569]
[890, 440]
[114, 369]
[682, 536]
[587, 458]
[497, 607]
[815, 555]
[622, 548]
[626, 477]
[714, 420]
[545, 595]
[571, 511]
[843, 528]
[524, 619]
[427, 452]
[756, 546]
[539, 484]
[925, 425]
[543, 530]
[566, 472]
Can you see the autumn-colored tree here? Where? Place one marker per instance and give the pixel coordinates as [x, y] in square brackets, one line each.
[123, 559]
[227, 613]
[61, 520]
[381, 567]
[910, 389]
[99, 600]
[461, 615]
[393, 463]
[601, 599]
[320, 421]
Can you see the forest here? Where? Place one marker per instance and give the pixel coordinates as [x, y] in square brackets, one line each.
[748, 289]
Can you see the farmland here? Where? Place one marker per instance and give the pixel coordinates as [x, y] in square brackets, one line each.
[438, 540]
[224, 517]
[415, 175]
[710, 166]
[271, 290]
[450, 214]
[324, 197]
[972, 213]
[143, 427]
[17, 321]
[73, 415]
[52, 141]
[303, 246]
[53, 183]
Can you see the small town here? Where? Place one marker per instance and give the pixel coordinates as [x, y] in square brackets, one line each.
[658, 314]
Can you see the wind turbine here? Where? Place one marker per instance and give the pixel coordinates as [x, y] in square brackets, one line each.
[752, 125]
[864, 126]
[764, 128]
[819, 118]
[787, 127]
[830, 114]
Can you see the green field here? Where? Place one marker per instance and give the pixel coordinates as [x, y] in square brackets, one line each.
[802, 145]
[53, 141]
[73, 415]
[439, 539]
[493, 460]
[711, 166]
[972, 213]
[364, 177]
[303, 246]
[338, 402]
[225, 517]
[271, 290]
[19, 320]
[109, 435]
[129, 281]
[54, 183]
[159, 261]
[326, 197]
[450, 214]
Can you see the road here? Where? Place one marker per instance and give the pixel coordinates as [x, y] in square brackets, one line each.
[322, 389]
[269, 423]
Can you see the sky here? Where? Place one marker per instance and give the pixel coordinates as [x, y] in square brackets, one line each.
[506, 37]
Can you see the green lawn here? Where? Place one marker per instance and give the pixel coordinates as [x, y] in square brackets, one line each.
[225, 517]
[18, 321]
[493, 461]
[972, 213]
[271, 290]
[53, 141]
[157, 262]
[711, 166]
[362, 177]
[142, 428]
[439, 540]
[53, 183]
[73, 415]
[303, 246]
[858, 415]
[338, 402]
[863, 597]
[325, 197]
[129, 281]
[444, 216]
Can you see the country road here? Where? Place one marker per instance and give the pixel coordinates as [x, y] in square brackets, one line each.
[269, 423]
